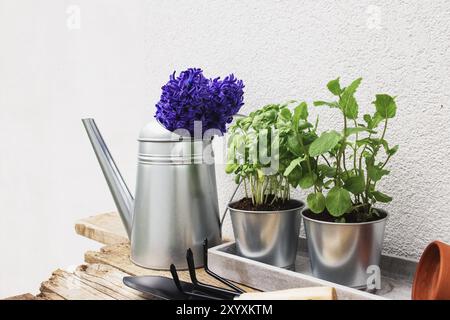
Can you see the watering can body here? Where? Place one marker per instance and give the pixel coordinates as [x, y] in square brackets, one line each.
[175, 205]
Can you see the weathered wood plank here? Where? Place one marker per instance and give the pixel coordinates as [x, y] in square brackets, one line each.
[26, 296]
[46, 295]
[70, 287]
[106, 228]
[118, 256]
[89, 282]
[108, 279]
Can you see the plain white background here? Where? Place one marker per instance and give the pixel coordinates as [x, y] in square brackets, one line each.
[111, 62]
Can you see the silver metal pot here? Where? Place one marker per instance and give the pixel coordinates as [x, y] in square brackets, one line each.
[343, 252]
[267, 236]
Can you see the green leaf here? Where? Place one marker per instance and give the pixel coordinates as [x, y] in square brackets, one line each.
[348, 103]
[302, 125]
[326, 103]
[295, 176]
[356, 130]
[286, 114]
[325, 143]
[334, 87]
[307, 181]
[326, 170]
[349, 107]
[230, 167]
[294, 163]
[338, 201]
[392, 151]
[351, 89]
[381, 197]
[301, 111]
[385, 105]
[316, 202]
[375, 172]
[328, 184]
[368, 119]
[293, 145]
[376, 119]
[355, 184]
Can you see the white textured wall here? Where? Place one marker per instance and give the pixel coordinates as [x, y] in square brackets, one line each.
[289, 49]
[112, 68]
[51, 77]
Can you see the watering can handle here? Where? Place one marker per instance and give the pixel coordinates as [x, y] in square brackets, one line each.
[226, 209]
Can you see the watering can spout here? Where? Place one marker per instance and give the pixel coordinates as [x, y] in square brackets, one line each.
[119, 190]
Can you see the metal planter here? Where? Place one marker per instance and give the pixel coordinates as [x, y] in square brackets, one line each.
[267, 236]
[345, 253]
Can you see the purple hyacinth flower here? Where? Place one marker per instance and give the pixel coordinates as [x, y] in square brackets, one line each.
[192, 97]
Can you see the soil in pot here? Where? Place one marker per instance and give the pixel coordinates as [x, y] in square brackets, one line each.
[356, 216]
[246, 204]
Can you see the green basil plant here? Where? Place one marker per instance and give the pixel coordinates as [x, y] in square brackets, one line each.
[341, 168]
[268, 151]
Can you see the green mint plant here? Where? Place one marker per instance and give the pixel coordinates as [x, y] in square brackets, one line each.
[268, 152]
[348, 165]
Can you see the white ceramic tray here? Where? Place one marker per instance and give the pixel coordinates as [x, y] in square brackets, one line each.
[396, 274]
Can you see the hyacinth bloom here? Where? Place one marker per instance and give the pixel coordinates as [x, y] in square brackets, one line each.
[192, 97]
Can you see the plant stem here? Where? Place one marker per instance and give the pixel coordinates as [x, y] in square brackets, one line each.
[308, 163]
[326, 160]
[355, 149]
[385, 162]
[245, 187]
[385, 127]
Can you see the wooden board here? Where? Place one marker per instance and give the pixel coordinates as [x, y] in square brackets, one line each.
[101, 275]
[118, 256]
[26, 296]
[89, 282]
[106, 228]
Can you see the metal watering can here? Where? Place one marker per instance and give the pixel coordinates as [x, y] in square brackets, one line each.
[176, 203]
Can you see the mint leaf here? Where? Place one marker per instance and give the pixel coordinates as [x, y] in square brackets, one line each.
[326, 142]
[326, 170]
[375, 172]
[392, 151]
[334, 87]
[385, 105]
[381, 197]
[355, 185]
[316, 202]
[307, 181]
[348, 103]
[356, 130]
[338, 201]
[326, 103]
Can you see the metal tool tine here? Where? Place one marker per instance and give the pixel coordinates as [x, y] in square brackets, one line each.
[203, 286]
[212, 274]
[173, 271]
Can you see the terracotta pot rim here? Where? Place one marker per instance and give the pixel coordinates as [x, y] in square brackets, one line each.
[434, 291]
